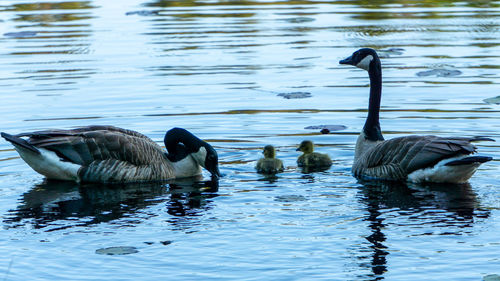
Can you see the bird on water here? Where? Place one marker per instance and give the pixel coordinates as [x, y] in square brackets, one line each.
[415, 158]
[312, 160]
[269, 164]
[110, 154]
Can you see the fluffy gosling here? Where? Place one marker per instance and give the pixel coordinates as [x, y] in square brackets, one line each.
[269, 164]
[311, 159]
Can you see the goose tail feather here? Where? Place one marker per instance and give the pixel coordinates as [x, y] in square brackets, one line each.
[480, 138]
[17, 141]
[469, 160]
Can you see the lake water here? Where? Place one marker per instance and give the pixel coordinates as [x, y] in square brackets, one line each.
[216, 68]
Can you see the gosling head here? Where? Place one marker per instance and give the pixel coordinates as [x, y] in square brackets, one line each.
[363, 58]
[306, 146]
[269, 151]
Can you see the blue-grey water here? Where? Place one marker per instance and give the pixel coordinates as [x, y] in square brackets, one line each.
[216, 68]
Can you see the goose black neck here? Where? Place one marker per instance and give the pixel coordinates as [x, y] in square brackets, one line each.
[179, 143]
[372, 125]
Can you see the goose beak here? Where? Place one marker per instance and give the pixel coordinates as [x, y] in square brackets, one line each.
[216, 174]
[298, 149]
[214, 171]
[347, 61]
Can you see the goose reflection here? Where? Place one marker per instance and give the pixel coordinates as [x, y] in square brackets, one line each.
[442, 209]
[269, 178]
[56, 205]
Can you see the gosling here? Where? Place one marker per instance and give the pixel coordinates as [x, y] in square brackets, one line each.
[269, 164]
[310, 159]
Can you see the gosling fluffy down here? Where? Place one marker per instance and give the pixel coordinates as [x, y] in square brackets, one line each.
[311, 159]
[269, 164]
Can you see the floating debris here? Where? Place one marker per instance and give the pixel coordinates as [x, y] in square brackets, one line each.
[166, 242]
[143, 13]
[325, 129]
[112, 251]
[385, 53]
[295, 95]
[21, 34]
[495, 100]
[439, 72]
[290, 198]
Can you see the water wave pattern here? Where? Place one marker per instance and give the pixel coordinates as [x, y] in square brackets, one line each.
[220, 69]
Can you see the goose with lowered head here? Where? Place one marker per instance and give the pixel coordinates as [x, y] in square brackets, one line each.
[414, 158]
[111, 154]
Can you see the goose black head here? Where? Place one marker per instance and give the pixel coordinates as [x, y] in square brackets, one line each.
[363, 58]
[211, 161]
[181, 143]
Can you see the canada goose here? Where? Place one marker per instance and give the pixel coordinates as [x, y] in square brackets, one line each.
[413, 158]
[311, 159]
[111, 154]
[269, 164]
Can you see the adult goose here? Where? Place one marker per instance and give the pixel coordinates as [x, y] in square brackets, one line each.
[111, 154]
[413, 158]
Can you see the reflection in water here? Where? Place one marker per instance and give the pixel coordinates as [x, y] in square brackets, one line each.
[309, 170]
[269, 178]
[37, 6]
[45, 33]
[56, 205]
[361, 3]
[446, 206]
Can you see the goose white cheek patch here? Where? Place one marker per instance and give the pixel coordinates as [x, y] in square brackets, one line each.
[365, 63]
[200, 156]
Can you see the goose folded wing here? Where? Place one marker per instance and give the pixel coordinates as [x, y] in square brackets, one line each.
[417, 152]
[81, 130]
[389, 152]
[86, 146]
[433, 150]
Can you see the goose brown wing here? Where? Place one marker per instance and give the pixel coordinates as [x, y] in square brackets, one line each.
[57, 132]
[96, 143]
[416, 152]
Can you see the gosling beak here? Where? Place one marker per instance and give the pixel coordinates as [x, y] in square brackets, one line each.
[347, 61]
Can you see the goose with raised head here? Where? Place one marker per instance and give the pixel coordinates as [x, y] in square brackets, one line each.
[414, 158]
[111, 154]
[311, 159]
[269, 164]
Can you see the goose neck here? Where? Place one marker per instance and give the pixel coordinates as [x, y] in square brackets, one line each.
[372, 125]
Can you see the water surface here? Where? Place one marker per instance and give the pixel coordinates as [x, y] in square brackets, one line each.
[217, 68]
